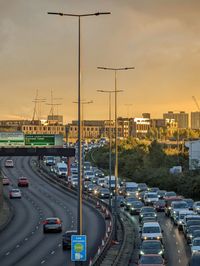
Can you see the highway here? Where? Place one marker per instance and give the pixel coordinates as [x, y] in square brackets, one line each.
[23, 242]
[176, 249]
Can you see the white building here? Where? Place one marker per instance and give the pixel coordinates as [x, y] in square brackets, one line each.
[194, 154]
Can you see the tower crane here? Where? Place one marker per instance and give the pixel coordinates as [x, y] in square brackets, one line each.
[197, 105]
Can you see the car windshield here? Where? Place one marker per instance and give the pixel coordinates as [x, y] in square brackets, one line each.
[180, 205]
[153, 195]
[151, 244]
[131, 189]
[196, 242]
[160, 202]
[15, 190]
[149, 214]
[193, 228]
[51, 221]
[104, 190]
[63, 169]
[129, 200]
[197, 203]
[151, 229]
[148, 209]
[137, 204]
[151, 260]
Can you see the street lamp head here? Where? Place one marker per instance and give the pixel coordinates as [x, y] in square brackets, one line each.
[55, 13]
[102, 13]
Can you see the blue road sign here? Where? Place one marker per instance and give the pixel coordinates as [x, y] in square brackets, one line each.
[78, 248]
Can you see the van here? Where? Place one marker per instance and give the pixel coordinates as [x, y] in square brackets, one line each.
[61, 169]
[50, 160]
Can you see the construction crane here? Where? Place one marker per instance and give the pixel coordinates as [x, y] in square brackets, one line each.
[53, 104]
[197, 105]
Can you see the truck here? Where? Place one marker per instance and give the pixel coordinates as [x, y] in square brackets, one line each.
[61, 169]
[112, 182]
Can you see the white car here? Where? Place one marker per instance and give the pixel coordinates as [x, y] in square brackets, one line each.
[195, 246]
[150, 198]
[151, 231]
[15, 193]
[9, 163]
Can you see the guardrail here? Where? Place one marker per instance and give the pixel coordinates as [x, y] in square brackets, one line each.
[94, 201]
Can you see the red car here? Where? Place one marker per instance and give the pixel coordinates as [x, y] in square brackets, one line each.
[159, 205]
[151, 260]
[23, 182]
[5, 181]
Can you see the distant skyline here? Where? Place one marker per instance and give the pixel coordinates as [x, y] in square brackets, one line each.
[159, 38]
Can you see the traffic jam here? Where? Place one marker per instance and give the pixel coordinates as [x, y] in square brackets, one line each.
[136, 199]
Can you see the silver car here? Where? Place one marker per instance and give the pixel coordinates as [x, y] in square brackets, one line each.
[52, 224]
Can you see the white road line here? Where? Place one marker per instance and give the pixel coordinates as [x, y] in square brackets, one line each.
[59, 245]
[32, 232]
[18, 246]
[177, 243]
[26, 239]
[179, 260]
[42, 261]
[52, 252]
[179, 251]
[7, 253]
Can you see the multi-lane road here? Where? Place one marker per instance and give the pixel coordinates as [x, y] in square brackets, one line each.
[177, 252]
[23, 242]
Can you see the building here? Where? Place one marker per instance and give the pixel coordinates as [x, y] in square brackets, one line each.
[195, 120]
[139, 127]
[123, 127]
[169, 125]
[93, 129]
[181, 118]
[55, 120]
[44, 129]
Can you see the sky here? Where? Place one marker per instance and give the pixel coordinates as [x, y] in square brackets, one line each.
[160, 38]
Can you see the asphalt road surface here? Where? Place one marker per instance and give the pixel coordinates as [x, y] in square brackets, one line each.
[23, 243]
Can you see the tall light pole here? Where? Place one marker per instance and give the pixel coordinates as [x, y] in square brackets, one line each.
[116, 136]
[79, 209]
[110, 140]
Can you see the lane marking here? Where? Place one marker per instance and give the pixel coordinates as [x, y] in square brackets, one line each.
[7, 253]
[26, 239]
[42, 261]
[59, 245]
[179, 251]
[179, 260]
[52, 252]
[18, 246]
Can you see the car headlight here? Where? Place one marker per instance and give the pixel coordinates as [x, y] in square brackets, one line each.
[169, 208]
[132, 208]
[158, 237]
[142, 215]
[145, 238]
[179, 222]
[190, 235]
[128, 204]
[155, 215]
[141, 252]
[160, 252]
[102, 194]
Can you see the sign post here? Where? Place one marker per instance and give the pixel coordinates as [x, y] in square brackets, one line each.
[78, 248]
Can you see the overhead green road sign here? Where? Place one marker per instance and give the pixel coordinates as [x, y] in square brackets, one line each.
[11, 139]
[40, 140]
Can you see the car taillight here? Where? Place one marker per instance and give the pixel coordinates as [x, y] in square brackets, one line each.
[58, 222]
[45, 222]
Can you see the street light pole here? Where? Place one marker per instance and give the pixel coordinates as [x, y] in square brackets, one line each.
[79, 210]
[110, 141]
[116, 138]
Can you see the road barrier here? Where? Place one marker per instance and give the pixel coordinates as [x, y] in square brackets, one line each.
[88, 199]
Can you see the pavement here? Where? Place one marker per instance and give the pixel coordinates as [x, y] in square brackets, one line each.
[6, 214]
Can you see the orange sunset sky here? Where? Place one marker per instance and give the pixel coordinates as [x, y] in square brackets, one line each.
[160, 38]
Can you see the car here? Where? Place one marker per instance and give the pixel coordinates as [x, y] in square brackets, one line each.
[142, 187]
[66, 239]
[159, 205]
[52, 224]
[9, 163]
[88, 175]
[195, 245]
[190, 203]
[161, 194]
[153, 189]
[180, 218]
[150, 198]
[136, 207]
[151, 231]
[144, 210]
[23, 182]
[15, 193]
[190, 231]
[177, 206]
[128, 202]
[151, 259]
[91, 188]
[195, 234]
[152, 215]
[5, 181]
[103, 193]
[196, 207]
[169, 194]
[151, 247]
[148, 219]
[168, 202]
[189, 223]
